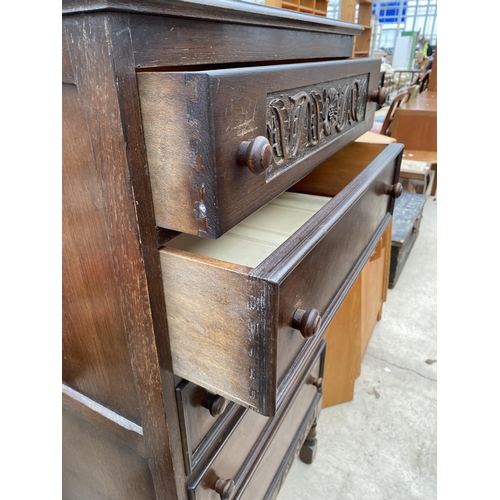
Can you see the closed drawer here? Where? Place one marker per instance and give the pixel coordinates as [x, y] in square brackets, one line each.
[237, 460]
[222, 143]
[203, 416]
[243, 308]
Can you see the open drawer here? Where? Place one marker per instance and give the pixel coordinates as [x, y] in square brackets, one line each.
[222, 143]
[243, 309]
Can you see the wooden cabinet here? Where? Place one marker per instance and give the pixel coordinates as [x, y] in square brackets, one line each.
[187, 375]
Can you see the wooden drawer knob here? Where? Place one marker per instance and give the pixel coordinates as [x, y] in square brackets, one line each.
[225, 488]
[395, 190]
[379, 96]
[257, 155]
[318, 383]
[307, 322]
[215, 404]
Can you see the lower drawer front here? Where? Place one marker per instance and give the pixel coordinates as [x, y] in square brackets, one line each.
[203, 416]
[257, 437]
[271, 471]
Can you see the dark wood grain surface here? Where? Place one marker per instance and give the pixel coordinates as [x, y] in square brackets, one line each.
[115, 305]
[169, 43]
[97, 465]
[126, 431]
[95, 356]
[312, 267]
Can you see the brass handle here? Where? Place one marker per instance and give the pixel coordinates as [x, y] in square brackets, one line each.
[215, 404]
[308, 322]
[379, 96]
[395, 190]
[225, 488]
[257, 154]
[318, 383]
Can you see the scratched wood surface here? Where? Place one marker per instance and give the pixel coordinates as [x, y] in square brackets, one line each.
[115, 349]
[192, 42]
[217, 10]
[194, 123]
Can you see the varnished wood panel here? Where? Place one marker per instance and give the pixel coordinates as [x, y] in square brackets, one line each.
[415, 123]
[126, 431]
[324, 253]
[95, 357]
[67, 69]
[217, 10]
[343, 349]
[349, 332]
[96, 465]
[210, 321]
[199, 427]
[197, 42]
[263, 478]
[373, 288]
[114, 183]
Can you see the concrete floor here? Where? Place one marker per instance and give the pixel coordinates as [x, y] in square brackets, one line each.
[382, 445]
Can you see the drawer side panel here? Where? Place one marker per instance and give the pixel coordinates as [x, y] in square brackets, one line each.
[178, 135]
[217, 333]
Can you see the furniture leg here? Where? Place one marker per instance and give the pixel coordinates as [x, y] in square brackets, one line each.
[309, 448]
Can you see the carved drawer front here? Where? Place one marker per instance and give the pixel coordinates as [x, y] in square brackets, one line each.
[244, 309]
[229, 469]
[222, 143]
[203, 416]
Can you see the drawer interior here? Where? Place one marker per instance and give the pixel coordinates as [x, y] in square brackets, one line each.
[253, 240]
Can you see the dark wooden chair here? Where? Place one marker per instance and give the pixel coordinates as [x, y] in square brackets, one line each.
[385, 128]
[424, 83]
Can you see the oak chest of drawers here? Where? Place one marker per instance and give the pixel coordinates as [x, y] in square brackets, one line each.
[209, 237]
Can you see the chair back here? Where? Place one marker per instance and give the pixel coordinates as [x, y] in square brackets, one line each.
[400, 99]
[424, 83]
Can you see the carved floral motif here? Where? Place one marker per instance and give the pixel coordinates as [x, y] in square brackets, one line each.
[299, 121]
